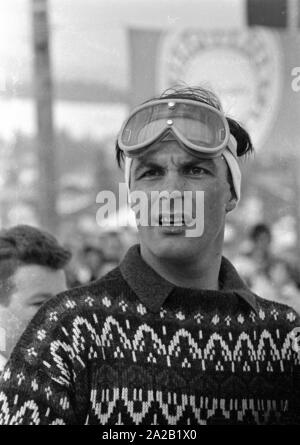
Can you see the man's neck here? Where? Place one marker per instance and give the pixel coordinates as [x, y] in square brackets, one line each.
[197, 273]
[3, 361]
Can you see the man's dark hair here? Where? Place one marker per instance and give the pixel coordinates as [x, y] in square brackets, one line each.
[22, 245]
[199, 94]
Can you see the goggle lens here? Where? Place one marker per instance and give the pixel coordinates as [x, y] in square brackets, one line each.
[201, 126]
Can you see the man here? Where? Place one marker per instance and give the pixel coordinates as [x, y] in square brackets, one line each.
[172, 336]
[31, 271]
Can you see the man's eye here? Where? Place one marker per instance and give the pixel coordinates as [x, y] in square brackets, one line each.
[151, 172]
[196, 171]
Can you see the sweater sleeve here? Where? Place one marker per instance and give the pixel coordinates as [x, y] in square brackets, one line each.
[294, 336]
[44, 382]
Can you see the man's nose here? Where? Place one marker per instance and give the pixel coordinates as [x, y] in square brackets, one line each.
[173, 181]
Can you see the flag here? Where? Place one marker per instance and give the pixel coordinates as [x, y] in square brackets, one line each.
[155, 14]
[271, 13]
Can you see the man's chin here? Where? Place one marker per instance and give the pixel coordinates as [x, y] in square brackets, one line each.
[173, 247]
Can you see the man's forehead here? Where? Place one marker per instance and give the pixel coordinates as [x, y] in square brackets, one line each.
[170, 151]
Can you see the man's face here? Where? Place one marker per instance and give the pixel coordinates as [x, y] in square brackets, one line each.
[33, 286]
[167, 167]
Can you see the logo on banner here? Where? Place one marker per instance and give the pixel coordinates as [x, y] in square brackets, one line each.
[243, 67]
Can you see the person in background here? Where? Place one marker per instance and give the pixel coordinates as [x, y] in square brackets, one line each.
[278, 284]
[261, 238]
[282, 278]
[32, 266]
[267, 275]
[256, 261]
[112, 246]
[92, 259]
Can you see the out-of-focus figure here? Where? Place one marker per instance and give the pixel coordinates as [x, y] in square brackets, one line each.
[258, 257]
[93, 260]
[112, 246]
[266, 274]
[98, 254]
[32, 266]
[279, 285]
[261, 239]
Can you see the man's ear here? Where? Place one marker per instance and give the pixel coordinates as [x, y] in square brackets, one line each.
[231, 204]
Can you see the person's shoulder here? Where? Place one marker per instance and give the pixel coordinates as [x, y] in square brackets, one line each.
[88, 298]
[277, 312]
[110, 282]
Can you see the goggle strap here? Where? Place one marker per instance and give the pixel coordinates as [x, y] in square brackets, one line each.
[235, 171]
[127, 167]
[232, 145]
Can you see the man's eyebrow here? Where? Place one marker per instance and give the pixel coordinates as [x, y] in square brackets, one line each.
[146, 163]
[209, 163]
[151, 163]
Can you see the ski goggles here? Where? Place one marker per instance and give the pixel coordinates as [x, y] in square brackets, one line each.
[200, 127]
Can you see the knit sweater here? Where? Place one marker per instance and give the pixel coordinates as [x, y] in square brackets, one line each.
[132, 348]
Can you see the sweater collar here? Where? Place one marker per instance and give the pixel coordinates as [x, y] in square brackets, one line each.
[153, 290]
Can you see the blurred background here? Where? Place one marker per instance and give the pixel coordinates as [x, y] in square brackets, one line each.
[71, 69]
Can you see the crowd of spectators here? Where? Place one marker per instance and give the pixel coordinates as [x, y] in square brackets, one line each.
[98, 254]
[268, 274]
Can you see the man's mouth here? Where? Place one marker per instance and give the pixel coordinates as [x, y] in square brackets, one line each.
[171, 220]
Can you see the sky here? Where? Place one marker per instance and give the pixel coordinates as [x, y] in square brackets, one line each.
[89, 36]
[88, 43]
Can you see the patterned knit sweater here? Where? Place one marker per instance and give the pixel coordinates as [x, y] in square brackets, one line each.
[133, 349]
